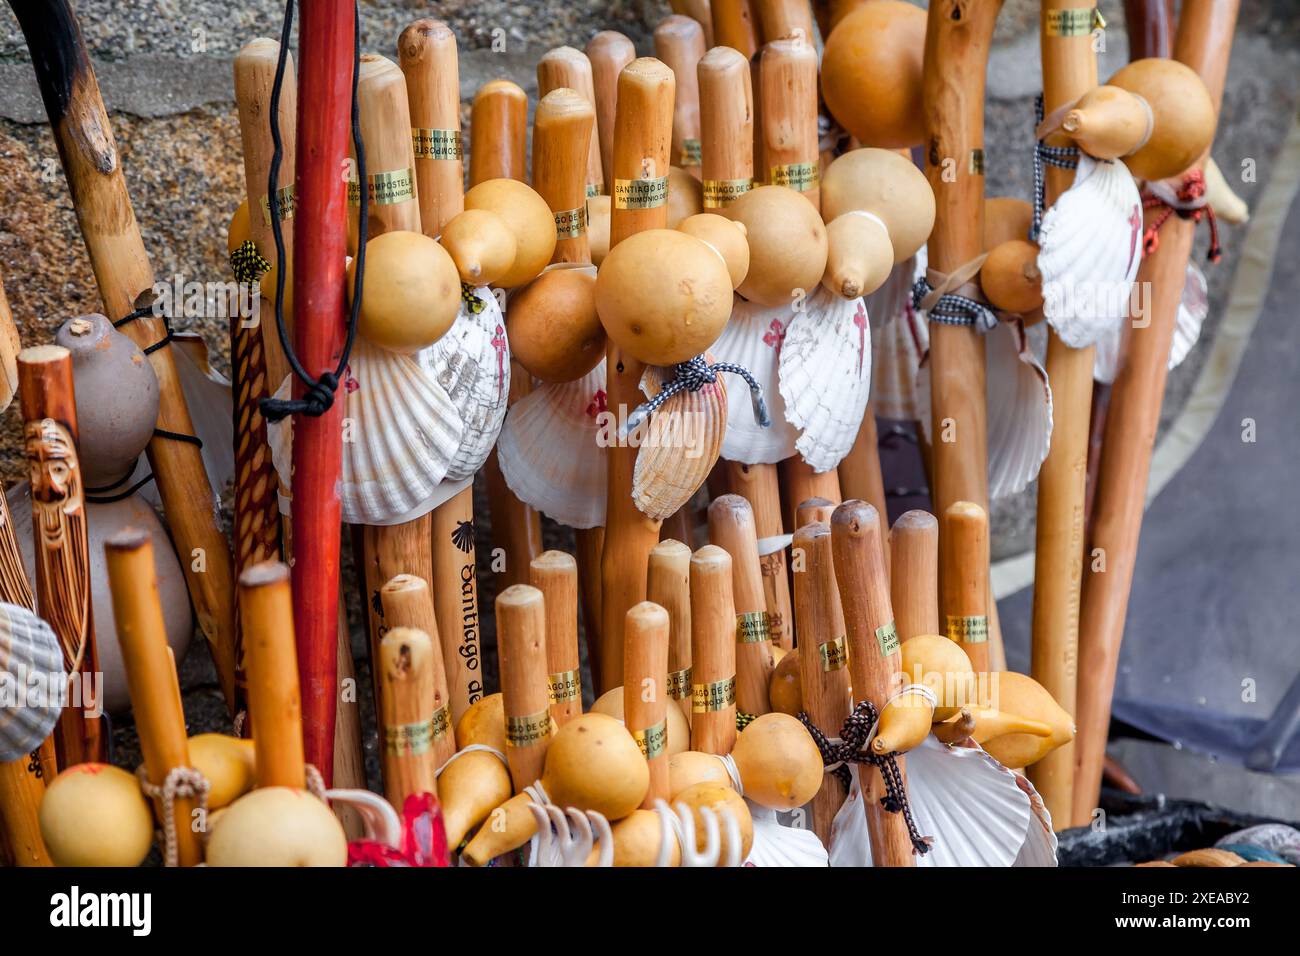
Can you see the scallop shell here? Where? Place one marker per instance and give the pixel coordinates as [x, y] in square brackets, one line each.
[472, 363]
[825, 376]
[1192, 310]
[1090, 247]
[679, 444]
[975, 811]
[752, 339]
[777, 845]
[401, 434]
[1018, 400]
[548, 450]
[31, 667]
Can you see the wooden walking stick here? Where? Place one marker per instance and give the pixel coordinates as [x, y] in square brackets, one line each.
[823, 656]
[563, 129]
[498, 129]
[964, 579]
[151, 677]
[1069, 71]
[408, 604]
[645, 696]
[914, 577]
[859, 559]
[799, 483]
[1203, 42]
[274, 703]
[608, 51]
[731, 527]
[812, 511]
[21, 791]
[859, 472]
[426, 52]
[97, 188]
[62, 541]
[735, 25]
[642, 136]
[787, 96]
[785, 19]
[409, 717]
[679, 43]
[668, 584]
[566, 67]
[521, 645]
[700, 12]
[713, 652]
[555, 574]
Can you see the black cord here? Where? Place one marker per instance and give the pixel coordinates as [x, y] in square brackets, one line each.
[319, 394]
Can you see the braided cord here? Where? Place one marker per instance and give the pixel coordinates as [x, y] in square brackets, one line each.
[692, 375]
[180, 783]
[1062, 157]
[954, 309]
[1189, 203]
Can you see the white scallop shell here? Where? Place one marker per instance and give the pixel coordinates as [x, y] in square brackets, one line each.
[777, 845]
[825, 376]
[679, 443]
[548, 450]
[1090, 248]
[976, 812]
[401, 433]
[1192, 310]
[1018, 403]
[752, 339]
[31, 678]
[472, 363]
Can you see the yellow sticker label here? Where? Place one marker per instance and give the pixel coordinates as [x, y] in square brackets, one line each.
[528, 730]
[887, 638]
[595, 189]
[440, 722]
[409, 740]
[691, 153]
[723, 192]
[564, 686]
[753, 627]
[800, 176]
[834, 654]
[571, 223]
[719, 695]
[1076, 22]
[437, 143]
[977, 162]
[653, 741]
[286, 202]
[679, 684]
[640, 193]
[386, 189]
[972, 629]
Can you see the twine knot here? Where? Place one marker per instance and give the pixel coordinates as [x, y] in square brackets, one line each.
[181, 783]
[691, 376]
[316, 400]
[1187, 201]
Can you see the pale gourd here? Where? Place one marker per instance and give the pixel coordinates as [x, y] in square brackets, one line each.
[1183, 116]
[484, 723]
[720, 799]
[785, 687]
[779, 763]
[411, 294]
[93, 814]
[685, 196]
[887, 185]
[726, 237]
[1010, 277]
[787, 244]
[277, 826]
[481, 245]
[860, 255]
[610, 703]
[526, 215]
[469, 789]
[553, 328]
[690, 767]
[228, 763]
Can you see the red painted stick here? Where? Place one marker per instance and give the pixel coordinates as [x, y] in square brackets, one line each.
[325, 54]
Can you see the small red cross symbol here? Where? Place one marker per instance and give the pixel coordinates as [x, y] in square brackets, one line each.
[598, 404]
[860, 320]
[775, 335]
[499, 343]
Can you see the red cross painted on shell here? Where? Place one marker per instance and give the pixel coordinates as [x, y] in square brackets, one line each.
[1135, 223]
[499, 343]
[860, 320]
[774, 335]
[597, 404]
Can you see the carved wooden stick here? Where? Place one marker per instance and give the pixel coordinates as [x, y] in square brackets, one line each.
[731, 527]
[645, 697]
[426, 52]
[408, 714]
[555, 574]
[566, 67]
[735, 25]
[498, 127]
[964, 577]
[407, 603]
[713, 652]
[608, 51]
[914, 583]
[679, 42]
[668, 584]
[274, 703]
[521, 644]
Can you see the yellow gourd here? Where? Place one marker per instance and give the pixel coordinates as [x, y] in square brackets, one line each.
[481, 245]
[468, 789]
[93, 814]
[780, 766]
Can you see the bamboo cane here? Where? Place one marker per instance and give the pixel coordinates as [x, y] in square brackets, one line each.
[823, 656]
[521, 644]
[873, 657]
[274, 703]
[498, 128]
[645, 696]
[151, 676]
[62, 545]
[787, 96]
[569, 68]
[407, 603]
[642, 136]
[679, 43]
[735, 25]
[555, 574]
[964, 579]
[426, 52]
[914, 581]
[731, 527]
[1069, 71]
[97, 188]
[668, 584]
[608, 52]
[713, 652]
[409, 717]
[1203, 42]
[799, 483]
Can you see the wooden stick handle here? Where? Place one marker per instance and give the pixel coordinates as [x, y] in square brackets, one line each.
[859, 560]
[410, 723]
[645, 694]
[800, 483]
[521, 643]
[151, 675]
[914, 583]
[569, 68]
[760, 486]
[390, 155]
[812, 511]
[860, 474]
[668, 584]
[697, 10]
[788, 98]
[62, 546]
[731, 527]
[608, 51]
[498, 130]
[964, 572]
[562, 135]
[426, 51]
[407, 603]
[735, 25]
[590, 544]
[726, 126]
[785, 19]
[274, 704]
[679, 43]
[823, 655]
[455, 599]
[713, 652]
[555, 574]
[21, 792]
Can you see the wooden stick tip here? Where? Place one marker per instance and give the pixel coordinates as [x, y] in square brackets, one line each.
[677, 27]
[504, 88]
[730, 508]
[404, 582]
[565, 54]
[722, 59]
[409, 636]
[918, 521]
[563, 103]
[425, 32]
[711, 559]
[646, 615]
[609, 40]
[374, 65]
[966, 511]
[646, 71]
[856, 518]
[128, 539]
[43, 355]
[519, 595]
[810, 533]
[669, 549]
[257, 49]
[554, 561]
[263, 574]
